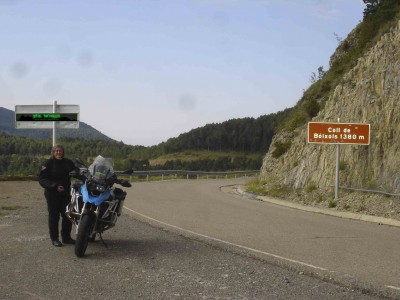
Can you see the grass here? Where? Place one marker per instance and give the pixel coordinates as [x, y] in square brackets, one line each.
[332, 204]
[311, 186]
[10, 208]
[17, 178]
[196, 155]
[258, 187]
[14, 207]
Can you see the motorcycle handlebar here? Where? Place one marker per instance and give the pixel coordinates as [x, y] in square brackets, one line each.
[78, 175]
[126, 172]
[124, 183]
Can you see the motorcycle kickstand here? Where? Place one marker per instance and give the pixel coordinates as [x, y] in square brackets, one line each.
[101, 239]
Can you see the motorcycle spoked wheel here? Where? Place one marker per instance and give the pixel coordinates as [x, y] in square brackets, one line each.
[83, 235]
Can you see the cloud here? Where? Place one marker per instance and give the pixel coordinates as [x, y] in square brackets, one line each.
[85, 59]
[19, 70]
[52, 87]
[187, 102]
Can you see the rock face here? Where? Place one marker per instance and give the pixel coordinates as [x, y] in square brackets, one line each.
[369, 93]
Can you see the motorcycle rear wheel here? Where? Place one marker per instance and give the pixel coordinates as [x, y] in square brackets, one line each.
[82, 237]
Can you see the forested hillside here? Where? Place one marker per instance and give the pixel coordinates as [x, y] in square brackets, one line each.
[24, 156]
[246, 135]
[237, 144]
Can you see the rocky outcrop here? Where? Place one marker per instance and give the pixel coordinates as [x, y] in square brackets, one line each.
[368, 93]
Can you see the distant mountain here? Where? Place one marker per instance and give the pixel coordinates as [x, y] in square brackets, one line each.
[7, 125]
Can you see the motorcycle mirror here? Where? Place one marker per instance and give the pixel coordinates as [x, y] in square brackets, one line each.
[126, 183]
[128, 172]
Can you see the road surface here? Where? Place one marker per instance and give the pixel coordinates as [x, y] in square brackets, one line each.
[146, 259]
[348, 251]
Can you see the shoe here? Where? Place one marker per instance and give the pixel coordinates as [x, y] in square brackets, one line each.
[56, 243]
[69, 241]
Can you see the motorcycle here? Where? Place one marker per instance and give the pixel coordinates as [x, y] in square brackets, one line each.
[95, 203]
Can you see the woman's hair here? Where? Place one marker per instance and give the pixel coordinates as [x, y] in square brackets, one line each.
[57, 147]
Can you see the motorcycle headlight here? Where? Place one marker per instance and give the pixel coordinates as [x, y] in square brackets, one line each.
[100, 188]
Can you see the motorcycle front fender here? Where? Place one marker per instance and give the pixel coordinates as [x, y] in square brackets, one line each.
[89, 212]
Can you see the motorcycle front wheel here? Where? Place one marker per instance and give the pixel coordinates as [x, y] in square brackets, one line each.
[82, 237]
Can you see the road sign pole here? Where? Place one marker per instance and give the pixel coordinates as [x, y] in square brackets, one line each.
[54, 124]
[337, 168]
[337, 172]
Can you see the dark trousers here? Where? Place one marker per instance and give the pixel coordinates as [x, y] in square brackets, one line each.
[56, 205]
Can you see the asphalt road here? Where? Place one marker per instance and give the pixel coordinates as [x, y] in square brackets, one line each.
[146, 259]
[351, 252]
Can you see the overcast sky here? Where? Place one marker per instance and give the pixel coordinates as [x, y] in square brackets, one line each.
[143, 71]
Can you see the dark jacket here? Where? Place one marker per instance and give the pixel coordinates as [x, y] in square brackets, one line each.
[56, 172]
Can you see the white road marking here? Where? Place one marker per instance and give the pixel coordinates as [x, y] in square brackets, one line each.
[229, 243]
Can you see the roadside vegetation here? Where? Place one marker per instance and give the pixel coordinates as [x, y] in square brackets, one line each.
[4, 210]
[22, 157]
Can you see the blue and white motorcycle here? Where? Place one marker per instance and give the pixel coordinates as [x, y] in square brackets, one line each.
[95, 202]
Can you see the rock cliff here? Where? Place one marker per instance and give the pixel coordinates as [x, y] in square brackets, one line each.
[368, 93]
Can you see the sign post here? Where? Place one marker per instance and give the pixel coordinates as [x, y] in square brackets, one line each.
[337, 168]
[338, 133]
[47, 117]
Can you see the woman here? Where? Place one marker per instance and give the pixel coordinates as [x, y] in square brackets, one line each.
[54, 178]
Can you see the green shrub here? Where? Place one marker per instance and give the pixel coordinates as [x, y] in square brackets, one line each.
[311, 186]
[280, 149]
[256, 187]
[312, 107]
[277, 191]
[371, 183]
[332, 204]
[342, 165]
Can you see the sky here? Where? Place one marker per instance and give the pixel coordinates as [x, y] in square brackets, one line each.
[144, 71]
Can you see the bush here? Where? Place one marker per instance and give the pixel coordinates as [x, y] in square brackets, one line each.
[280, 149]
[312, 108]
[256, 187]
[311, 186]
[332, 204]
[342, 165]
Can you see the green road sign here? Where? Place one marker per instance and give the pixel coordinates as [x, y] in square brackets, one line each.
[46, 117]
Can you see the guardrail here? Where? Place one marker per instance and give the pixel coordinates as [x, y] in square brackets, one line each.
[192, 174]
[369, 191]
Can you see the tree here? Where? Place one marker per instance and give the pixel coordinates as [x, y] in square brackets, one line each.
[321, 73]
[371, 6]
[338, 38]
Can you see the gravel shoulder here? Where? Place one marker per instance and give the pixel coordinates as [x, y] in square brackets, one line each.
[141, 262]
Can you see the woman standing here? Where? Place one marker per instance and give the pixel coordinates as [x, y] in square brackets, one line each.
[54, 178]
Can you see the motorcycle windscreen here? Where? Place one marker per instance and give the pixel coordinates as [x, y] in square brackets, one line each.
[101, 169]
[96, 200]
